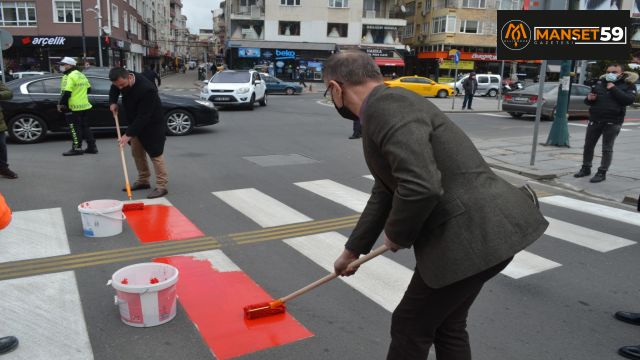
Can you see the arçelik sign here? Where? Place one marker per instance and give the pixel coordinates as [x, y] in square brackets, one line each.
[44, 41]
[563, 35]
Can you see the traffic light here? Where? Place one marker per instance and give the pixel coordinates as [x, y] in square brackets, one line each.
[106, 41]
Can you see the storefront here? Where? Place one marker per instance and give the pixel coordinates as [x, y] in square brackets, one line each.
[41, 53]
[280, 59]
[388, 60]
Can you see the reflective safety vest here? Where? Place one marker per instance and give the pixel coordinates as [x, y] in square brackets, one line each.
[77, 84]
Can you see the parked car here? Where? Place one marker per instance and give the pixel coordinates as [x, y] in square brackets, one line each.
[24, 74]
[521, 102]
[277, 86]
[235, 88]
[32, 112]
[422, 86]
[488, 84]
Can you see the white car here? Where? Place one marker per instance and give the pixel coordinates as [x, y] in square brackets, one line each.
[235, 88]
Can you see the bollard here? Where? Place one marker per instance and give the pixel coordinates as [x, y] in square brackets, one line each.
[310, 87]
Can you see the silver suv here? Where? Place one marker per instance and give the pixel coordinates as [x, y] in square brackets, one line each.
[488, 84]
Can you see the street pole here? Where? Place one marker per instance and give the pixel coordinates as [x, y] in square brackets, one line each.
[536, 125]
[559, 134]
[2, 65]
[99, 20]
[84, 42]
[455, 79]
[583, 72]
[500, 87]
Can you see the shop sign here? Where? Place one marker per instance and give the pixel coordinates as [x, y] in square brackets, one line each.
[380, 27]
[462, 65]
[44, 41]
[380, 53]
[484, 57]
[285, 54]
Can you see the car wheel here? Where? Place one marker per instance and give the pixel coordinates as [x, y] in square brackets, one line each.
[27, 128]
[442, 93]
[492, 93]
[290, 91]
[263, 101]
[179, 122]
[516, 115]
[251, 102]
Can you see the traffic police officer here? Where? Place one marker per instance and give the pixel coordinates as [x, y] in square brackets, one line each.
[75, 105]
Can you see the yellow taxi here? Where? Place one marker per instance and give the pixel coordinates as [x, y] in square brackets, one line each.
[422, 86]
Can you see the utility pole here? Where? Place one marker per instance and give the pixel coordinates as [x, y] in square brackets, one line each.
[84, 42]
[98, 13]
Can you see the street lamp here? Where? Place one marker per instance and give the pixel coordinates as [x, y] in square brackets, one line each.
[97, 11]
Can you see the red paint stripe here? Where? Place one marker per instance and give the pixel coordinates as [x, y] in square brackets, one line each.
[161, 222]
[214, 301]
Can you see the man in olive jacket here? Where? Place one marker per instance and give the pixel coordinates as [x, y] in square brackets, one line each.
[5, 94]
[146, 130]
[433, 191]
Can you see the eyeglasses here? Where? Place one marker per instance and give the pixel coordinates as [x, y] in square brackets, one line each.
[330, 86]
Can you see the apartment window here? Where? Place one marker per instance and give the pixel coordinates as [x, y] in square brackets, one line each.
[470, 26]
[68, 11]
[408, 30]
[410, 8]
[290, 2]
[444, 24]
[476, 4]
[18, 14]
[509, 4]
[427, 5]
[115, 19]
[289, 28]
[125, 18]
[446, 4]
[339, 3]
[425, 28]
[337, 30]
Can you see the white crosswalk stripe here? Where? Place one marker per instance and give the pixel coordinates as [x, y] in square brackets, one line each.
[526, 264]
[604, 211]
[336, 192]
[582, 236]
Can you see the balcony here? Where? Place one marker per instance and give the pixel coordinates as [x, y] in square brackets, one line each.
[383, 13]
[246, 10]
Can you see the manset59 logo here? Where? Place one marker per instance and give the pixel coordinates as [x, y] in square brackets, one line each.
[515, 35]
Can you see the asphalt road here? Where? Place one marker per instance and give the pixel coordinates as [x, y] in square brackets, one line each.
[564, 312]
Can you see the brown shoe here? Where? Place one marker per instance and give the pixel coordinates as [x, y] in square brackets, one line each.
[6, 172]
[156, 193]
[138, 186]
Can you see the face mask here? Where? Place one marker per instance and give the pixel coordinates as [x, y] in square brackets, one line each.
[611, 77]
[345, 112]
[62, 68]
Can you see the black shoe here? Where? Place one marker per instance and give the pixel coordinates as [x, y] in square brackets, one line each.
[584, 171]
[469, 108]
[156, 193]
[6, 172]
[8, 344]
[355, 136]
[91, 149]
[599, 177]
[630, 352]
[73, 152]
[628, 317]
[138, 186]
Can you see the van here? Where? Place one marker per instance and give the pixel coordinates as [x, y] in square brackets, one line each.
[488, 84]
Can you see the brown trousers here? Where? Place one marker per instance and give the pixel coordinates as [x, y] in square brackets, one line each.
[428, 316]
[144, 174]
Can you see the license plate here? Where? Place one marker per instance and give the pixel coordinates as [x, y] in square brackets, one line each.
[520, 99]
[221, 98]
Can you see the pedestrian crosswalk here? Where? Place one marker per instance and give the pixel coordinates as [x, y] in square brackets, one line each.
[41, 233]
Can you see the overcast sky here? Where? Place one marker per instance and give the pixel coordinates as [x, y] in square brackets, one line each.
[198, 13]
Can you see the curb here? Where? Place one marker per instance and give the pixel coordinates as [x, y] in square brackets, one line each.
[530, 173]
[630, 200]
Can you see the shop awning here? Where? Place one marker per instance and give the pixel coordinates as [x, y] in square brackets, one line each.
[389, 62]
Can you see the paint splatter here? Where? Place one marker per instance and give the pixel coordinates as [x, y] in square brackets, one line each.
[154, 280]
[124, 281]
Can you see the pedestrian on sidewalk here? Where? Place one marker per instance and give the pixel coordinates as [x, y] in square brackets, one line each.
[152, 75]
[357, 130]
[75, 105]
[5, 94]
[608, 101]
[146, 131]
[469, 85]
[301, 76]
[434, 192]
[7, 343]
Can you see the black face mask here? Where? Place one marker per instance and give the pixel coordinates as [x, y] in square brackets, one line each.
[343, 111]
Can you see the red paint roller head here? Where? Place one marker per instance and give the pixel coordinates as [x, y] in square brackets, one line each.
[261, 310]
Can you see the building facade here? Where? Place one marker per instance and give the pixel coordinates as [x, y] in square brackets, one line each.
[286, 37]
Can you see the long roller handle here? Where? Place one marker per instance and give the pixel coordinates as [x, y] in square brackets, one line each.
[122, 159]
[378, 251]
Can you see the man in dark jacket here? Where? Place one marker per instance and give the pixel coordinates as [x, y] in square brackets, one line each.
[469, 85]
[151, 75]
[608, 102]
[433, 192]
[146, 130]
[5, 94]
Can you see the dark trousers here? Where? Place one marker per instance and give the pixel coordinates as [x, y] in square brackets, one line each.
[3, 150]
[357, 128]
[609, 132]
[428, 316]
[301, 80]
[79, 129]
[468, 99]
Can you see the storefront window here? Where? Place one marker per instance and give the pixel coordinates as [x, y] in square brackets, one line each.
[68, 11]
[18, 14]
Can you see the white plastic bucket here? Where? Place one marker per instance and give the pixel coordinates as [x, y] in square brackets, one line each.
[101, 218]
[145, 293]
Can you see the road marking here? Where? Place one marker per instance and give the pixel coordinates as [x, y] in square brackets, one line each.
[592, 239]
[525, 263]
[161, 223]
[354, 199]
[495, 115]
[261, 208]
[34, 234]
[381, 279]
[585, 125]
[604, 211]
[45, 313]
[370, 177]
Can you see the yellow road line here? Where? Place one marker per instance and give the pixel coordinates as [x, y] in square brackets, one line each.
[299, 233]
[293, 232]
[292, 226]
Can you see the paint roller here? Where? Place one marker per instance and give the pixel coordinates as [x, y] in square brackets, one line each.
[130, 206]
[260, 310]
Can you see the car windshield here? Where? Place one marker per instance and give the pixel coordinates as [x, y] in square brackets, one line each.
[231, 77]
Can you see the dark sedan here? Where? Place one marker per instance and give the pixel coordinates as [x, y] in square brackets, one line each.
[277, 86]
[32, 111]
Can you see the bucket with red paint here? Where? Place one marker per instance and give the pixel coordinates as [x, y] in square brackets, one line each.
[101, 218]
[145, 293]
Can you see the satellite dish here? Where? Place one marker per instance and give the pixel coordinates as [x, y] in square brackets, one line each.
[403, 9]
[6, 40]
